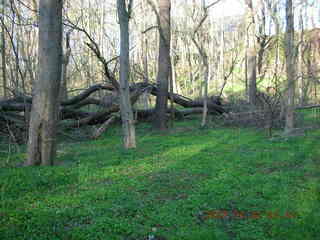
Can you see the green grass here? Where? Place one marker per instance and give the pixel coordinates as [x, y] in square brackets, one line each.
[173, 185]
[309, 117]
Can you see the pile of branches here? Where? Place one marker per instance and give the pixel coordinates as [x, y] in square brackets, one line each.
[15, 112]
[189, 106]
[267, 113]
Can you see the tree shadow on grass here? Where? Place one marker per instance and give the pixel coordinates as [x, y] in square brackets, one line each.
[164, 184]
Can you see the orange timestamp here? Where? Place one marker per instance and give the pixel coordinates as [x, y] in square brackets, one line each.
[236, 214]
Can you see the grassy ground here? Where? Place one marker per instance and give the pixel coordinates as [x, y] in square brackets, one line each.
[188, 184]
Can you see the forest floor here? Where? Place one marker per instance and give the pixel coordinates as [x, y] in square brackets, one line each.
[224, 184]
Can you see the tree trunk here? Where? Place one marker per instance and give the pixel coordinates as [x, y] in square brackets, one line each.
[204, 57]
[129, 136]
[3, 56]
[205, 98]
[164, 65]
[252, 76]
[221, 62]
[64, 71]
[251, 54]
[145, 60]
[44, 113]
[172, 78]
[290, 66]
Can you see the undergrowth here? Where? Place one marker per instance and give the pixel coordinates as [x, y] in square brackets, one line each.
[189, 183]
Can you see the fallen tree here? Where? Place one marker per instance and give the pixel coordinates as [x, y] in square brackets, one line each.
[214, 103]
[16, 110]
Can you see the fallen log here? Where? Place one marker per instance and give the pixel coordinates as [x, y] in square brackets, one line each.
[86, 93]
[13, 118]
[307, 107]
[7, 106]
[19, 103]
[100, 117]
[147, 114]
[69, 113]
[88, 101]
[98, 132]
[92, 119]
[70, 109]
[179, 114]
[213, 106]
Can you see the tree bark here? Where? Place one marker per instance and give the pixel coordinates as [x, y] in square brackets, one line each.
[64, 71]
[290, 66]
[164, 65]
[145, 59]
[44, 113]
[251, 54]
[129, 136]
[3, 55]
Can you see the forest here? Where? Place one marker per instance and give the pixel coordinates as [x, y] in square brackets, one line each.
[159, 119]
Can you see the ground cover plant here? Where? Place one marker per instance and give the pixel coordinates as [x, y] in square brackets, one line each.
[191, 183]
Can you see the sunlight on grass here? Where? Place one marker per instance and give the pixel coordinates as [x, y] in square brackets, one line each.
[165, 185]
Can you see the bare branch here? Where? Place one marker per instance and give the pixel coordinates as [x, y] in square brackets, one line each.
[212, 4]
[149, 28]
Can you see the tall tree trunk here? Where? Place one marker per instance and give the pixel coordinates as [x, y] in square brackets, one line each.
[44, 113]
[164, 65]
[221, 62]
[174, 62]
[64, 71]
[204, 57]
[290, 66]
[172, 78]
[3, 53]
[144, 55]
[205, 97]
[252, 76]
[302, 86]
[251, 54]
[129, 136]
[273, 9]
[189, 87]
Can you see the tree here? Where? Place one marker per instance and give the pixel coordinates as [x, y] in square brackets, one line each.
[65, 63]
[251, 54]
[3, 53]
[144, 52]
[204, 57]
[272, 7]
[129, 138]
[44, 112]
[290, 66]
[164, 64]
